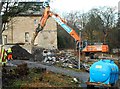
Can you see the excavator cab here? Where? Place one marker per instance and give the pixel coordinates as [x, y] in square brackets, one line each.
[82, 45]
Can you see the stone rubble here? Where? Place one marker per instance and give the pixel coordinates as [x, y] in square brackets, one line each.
[66, 58]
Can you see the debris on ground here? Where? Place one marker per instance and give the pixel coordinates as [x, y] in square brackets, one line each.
[63, 58]
[75, 79]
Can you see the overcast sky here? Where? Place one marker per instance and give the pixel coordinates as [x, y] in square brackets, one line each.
[81, 5]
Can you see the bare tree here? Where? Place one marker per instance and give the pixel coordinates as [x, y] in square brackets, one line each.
[8, 9]
[93, 26]
[96, 24]
[75, 20]
[108, 16]
[100, 22]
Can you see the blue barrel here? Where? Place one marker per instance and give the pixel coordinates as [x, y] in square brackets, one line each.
[104, 71]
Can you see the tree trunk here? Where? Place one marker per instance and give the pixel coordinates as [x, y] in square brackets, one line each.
[0, 29]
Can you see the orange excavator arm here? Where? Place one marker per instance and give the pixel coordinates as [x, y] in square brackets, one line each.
[45, 16]
[47, 13]
[64, 25]
[41, 24]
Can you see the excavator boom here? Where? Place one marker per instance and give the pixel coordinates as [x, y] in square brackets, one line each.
[63, 24]
[47, 13]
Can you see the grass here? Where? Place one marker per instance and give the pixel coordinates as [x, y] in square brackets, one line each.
[36, 79]
[50, 79]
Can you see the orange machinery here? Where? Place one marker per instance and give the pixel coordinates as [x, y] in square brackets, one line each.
[47, 13]
[96, 48]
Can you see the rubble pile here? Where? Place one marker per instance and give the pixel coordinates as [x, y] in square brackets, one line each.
[65, 58]
[52, 57]
[37, 53]
[61, 58]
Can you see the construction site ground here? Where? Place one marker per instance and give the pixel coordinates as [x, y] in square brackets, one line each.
[31, 74]
[35, 78]
[44, 63]
[39, 75]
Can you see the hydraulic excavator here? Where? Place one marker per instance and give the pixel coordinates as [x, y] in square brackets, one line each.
[47, 13]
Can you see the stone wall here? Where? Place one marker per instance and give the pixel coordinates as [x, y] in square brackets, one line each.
[20, 30]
